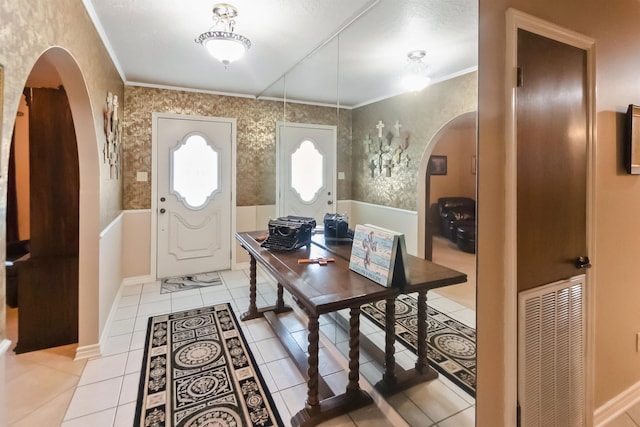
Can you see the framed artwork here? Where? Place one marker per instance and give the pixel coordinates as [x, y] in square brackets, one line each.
[438, 165]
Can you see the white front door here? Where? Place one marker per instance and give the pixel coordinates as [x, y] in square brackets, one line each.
[193, 194]
[306, 170]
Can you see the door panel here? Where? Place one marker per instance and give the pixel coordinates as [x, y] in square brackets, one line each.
[194, 195]
[306, 170]
[551, 160]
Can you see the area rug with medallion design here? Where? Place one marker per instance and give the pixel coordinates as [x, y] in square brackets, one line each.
[451, 346]
[198, 371]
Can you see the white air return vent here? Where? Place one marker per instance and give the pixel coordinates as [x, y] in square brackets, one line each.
[551, 354]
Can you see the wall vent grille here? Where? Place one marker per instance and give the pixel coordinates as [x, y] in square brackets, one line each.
[551, 354]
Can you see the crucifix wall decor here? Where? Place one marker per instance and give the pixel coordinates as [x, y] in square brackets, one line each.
[386, 152]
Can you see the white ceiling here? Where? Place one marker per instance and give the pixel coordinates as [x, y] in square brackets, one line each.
[311, 42]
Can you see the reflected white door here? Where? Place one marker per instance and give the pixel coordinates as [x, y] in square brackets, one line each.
[193, 195]
[306, 170]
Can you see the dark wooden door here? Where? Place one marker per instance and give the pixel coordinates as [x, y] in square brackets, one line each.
[48, 281]
[551, 160]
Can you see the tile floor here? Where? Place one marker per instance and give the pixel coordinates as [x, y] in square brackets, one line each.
[49, 388]
[48, 385]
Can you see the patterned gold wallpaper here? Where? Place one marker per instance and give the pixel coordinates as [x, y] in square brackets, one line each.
[256, 144]
[420, 114]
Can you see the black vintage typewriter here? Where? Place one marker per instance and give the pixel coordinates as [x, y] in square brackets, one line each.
[289, 233]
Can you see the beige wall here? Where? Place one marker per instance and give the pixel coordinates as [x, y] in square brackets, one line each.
[614, 26]
[458, 142]
[21, 153]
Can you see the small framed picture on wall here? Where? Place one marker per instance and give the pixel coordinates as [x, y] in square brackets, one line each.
[438, 165]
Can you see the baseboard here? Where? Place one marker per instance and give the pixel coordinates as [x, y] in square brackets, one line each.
[5, 345]
[616, 406]
[137, 280]
[88, 351]
[241, 266]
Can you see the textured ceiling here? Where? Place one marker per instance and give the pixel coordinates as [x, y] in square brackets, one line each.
[324, 51]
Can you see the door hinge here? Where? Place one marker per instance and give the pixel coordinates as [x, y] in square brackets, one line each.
[519, 81]
[518, 414]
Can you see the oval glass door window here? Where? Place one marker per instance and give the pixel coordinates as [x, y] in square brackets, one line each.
[307, 165]
[194, 171]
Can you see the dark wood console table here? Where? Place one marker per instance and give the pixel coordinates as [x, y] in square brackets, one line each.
[423, 276]
[327, 289]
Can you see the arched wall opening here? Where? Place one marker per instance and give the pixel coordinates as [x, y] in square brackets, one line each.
[72, 79]
[423, 204]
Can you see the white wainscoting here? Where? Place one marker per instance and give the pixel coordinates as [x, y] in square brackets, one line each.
[130, 234]
[400, 220]
[110, 265]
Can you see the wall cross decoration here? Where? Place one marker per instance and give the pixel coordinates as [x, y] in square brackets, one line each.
[386, 152]
[367, 143]
[112, 130]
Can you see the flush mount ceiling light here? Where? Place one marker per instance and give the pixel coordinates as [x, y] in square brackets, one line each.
[221, 41]
[416, 78]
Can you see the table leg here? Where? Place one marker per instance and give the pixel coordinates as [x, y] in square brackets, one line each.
[354, 350]
[280, 300]
[312, 403]
[252, 311]
[389, 376]
[316, 411]
[422, 364]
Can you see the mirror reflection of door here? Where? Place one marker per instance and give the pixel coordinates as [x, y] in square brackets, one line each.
[193, 195]
[306, 170]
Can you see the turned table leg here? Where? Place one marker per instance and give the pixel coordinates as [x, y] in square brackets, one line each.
[389, 376]
[280, 300]
[312, 372]
[354, 351]
[422, 364]
[252, 311]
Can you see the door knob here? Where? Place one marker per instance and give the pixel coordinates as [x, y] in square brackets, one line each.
[163, 210]
[583, 262]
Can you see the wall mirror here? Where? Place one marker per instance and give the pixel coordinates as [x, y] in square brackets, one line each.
[353, 82]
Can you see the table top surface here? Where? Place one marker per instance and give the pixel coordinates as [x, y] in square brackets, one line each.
[423, 274]
[323, 289]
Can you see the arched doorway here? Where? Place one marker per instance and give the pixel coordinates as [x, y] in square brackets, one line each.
[455, 141]
[70, 77]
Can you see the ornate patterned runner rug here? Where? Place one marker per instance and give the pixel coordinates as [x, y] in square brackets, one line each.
[193, 281]
[198, 371]
[451, 347]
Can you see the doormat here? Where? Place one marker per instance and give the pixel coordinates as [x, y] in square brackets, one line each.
[193, 281]
[451, 346]
[197, 370]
